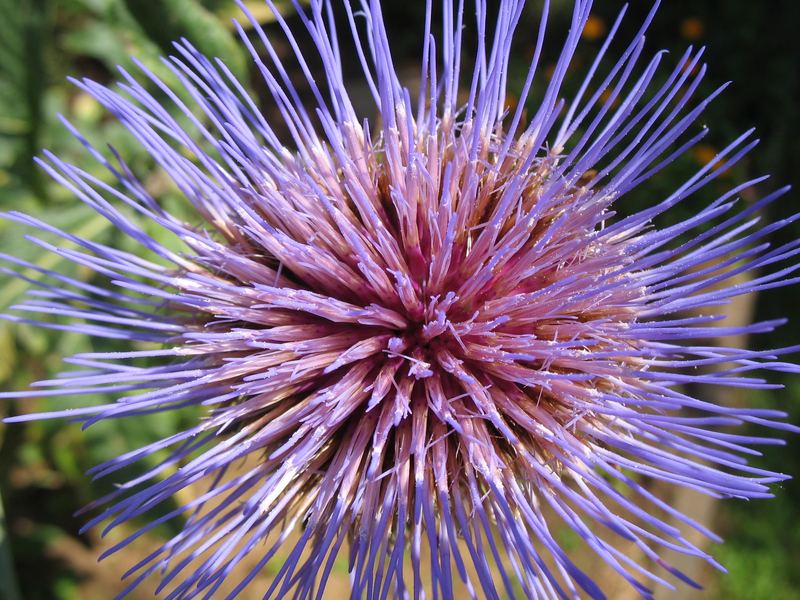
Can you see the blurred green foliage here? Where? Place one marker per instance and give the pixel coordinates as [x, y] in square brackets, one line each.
[42, 464]
[44, 41]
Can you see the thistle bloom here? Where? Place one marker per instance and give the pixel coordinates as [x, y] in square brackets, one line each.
[427, 342]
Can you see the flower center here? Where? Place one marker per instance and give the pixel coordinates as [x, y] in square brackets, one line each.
[425, 336]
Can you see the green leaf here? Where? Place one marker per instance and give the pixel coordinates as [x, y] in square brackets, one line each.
[261, 11]
[22, 81]
[169, 20]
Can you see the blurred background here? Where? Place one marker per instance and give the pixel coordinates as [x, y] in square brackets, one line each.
[42, 464]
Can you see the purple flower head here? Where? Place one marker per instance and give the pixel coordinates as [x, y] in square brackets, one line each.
[427, 342]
